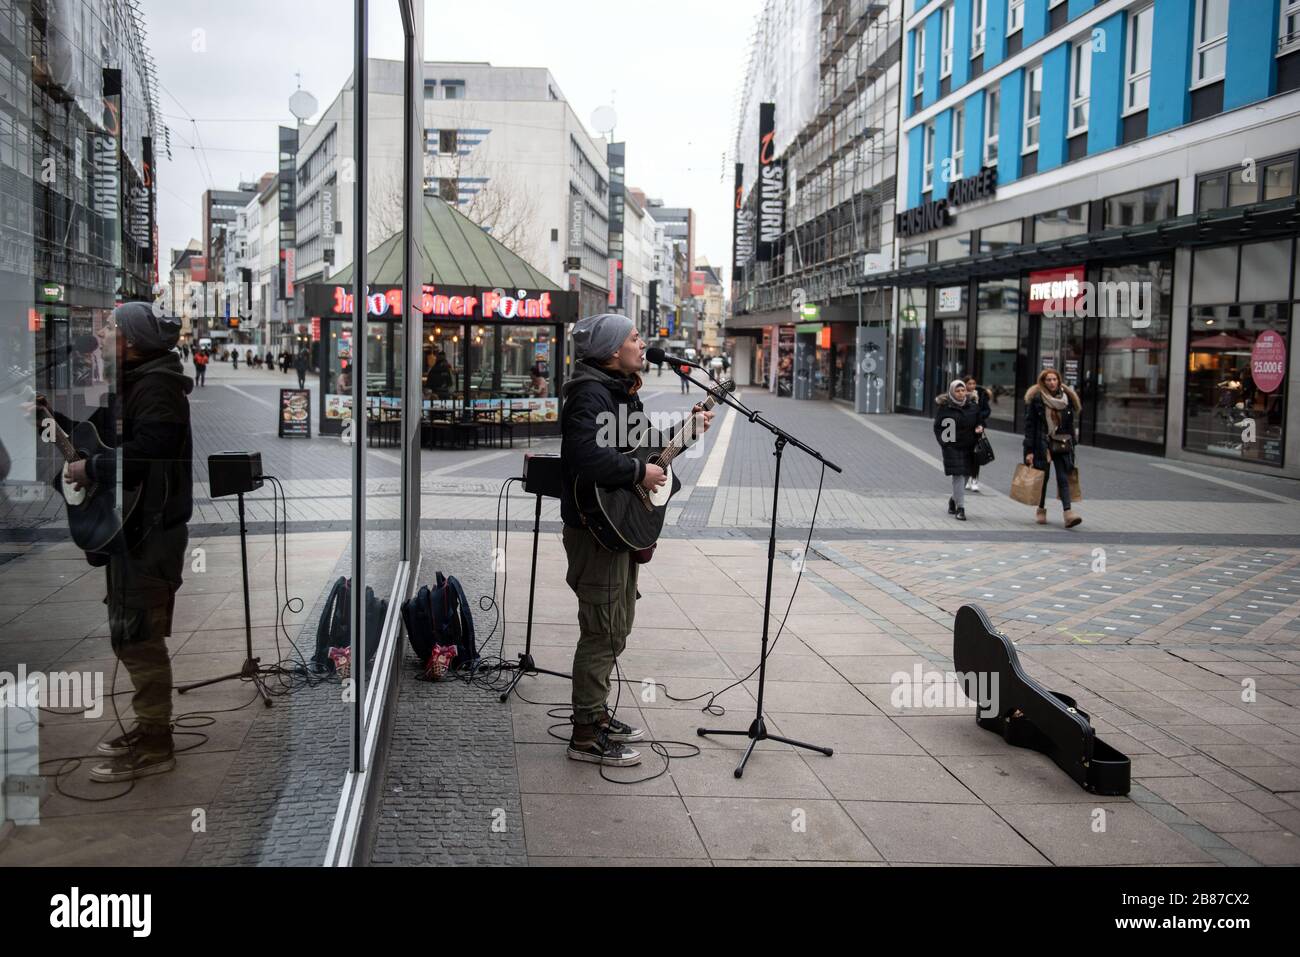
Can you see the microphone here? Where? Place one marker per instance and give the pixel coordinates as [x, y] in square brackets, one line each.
[659, 357]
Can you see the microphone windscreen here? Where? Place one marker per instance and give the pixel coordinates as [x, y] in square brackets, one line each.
[655, 354]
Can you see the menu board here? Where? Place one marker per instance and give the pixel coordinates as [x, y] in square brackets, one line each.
[295, 413]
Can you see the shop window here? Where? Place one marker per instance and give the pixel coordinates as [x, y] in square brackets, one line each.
[1209, 193]
[1236, 391]
[1242, 185]
[447, 142]
[1214, 274]
[1132, 374]
[1061, 223]
[912, 327]
[997, 314]
[1265, 271]
[1137, 86]
[952, 247]
[1149, 205]
[1001, 236]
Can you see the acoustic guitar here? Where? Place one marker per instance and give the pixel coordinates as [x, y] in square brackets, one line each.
[631, 518]
[95, 521]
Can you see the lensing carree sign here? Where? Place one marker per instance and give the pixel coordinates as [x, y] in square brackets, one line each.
[936, 213]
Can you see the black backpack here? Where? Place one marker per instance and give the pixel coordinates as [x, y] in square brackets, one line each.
[441, 616]
[334, 630]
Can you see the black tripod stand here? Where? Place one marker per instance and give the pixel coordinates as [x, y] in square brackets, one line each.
[252, 669]
[526, 664]
[757, 730]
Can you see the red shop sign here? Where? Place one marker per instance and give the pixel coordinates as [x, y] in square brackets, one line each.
[1268, 361]
[1060, 288]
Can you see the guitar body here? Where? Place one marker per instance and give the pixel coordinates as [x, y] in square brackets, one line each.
[94, 519]
[619, 517]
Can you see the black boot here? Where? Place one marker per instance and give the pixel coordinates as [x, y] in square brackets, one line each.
[961, 514]
[952, 507]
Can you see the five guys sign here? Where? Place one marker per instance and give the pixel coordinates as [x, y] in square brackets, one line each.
[771, 186]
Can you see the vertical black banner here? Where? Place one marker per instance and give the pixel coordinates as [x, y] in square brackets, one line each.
[742, 231]
[288, 210]
[770, 186]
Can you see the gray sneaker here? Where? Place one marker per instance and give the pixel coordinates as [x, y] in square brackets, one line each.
[601, 750]
[620, 731]
[128, 767]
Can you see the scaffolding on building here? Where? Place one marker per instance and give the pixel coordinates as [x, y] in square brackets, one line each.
[840, 163]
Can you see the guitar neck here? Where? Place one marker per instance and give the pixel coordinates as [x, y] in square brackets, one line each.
[61, 440]
[678, 442]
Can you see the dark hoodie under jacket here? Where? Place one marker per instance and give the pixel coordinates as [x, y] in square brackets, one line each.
[157, 447]
[591, 397]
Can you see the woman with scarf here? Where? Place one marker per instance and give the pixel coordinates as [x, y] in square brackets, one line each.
[1051, 433]
[957, 427]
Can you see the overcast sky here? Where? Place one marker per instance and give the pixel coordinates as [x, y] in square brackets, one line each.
[670, 68]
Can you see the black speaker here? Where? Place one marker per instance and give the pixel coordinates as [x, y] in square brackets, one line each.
[230, 473]
[542, 474]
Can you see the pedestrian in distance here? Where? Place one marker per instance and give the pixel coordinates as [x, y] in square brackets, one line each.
[234, 359]
[284, 362]
[1051, 433]
[200, 367]
[980, 395]
[300, 366]
[957, 427]
[685, 372]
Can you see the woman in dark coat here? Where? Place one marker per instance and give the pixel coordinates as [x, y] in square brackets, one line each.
[1051, 434]
[974, 392]
[957, 427]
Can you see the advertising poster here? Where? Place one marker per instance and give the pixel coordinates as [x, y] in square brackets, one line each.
[785, 362]
[295, 413]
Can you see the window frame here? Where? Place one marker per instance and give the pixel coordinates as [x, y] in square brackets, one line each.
[957, 139]
[1200, 47]
[946, 16]
[918, 61]
[1287, 42]
[1131, 78]
[927, 158]
[1291, 157]
[1034, 123]
[1015, 7]
[1080, 53]
[992, 124]
[979, 23]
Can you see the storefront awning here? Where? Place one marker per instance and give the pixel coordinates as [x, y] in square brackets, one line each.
[455, 252]
[1269, 220]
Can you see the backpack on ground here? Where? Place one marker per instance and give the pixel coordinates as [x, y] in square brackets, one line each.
[441, 616]
[334, 630]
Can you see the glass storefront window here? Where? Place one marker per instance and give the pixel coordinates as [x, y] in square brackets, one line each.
[998, 309]
[909, 377]
[1061, 223]
[1148, 205]
[1229, 413]
[952, 247]
[1133, 355]
[950, 349]
[995, 238]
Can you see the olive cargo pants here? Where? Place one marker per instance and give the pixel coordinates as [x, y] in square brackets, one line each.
[605, 583]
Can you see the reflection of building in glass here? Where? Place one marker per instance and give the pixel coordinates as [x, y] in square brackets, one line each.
[78, 129]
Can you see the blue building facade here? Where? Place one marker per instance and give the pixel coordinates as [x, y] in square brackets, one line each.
[1120, 145]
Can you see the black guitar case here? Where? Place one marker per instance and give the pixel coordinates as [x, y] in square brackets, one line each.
[1029, 715]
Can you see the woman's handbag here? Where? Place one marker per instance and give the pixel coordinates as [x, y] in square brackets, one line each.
[983, 451]
[1027, 485]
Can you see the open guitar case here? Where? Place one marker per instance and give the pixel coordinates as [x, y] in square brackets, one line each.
[1029, 715]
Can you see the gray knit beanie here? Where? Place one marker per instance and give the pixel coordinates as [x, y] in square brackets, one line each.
[599, 337]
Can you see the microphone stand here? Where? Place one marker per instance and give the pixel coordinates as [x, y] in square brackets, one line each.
[757, 730]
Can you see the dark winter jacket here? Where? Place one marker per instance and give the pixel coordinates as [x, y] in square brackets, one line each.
[157, 448]
[300, 362]
[986, 410]
[598, 403]
[957, 454]
[1037, 428]
[438, 379]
